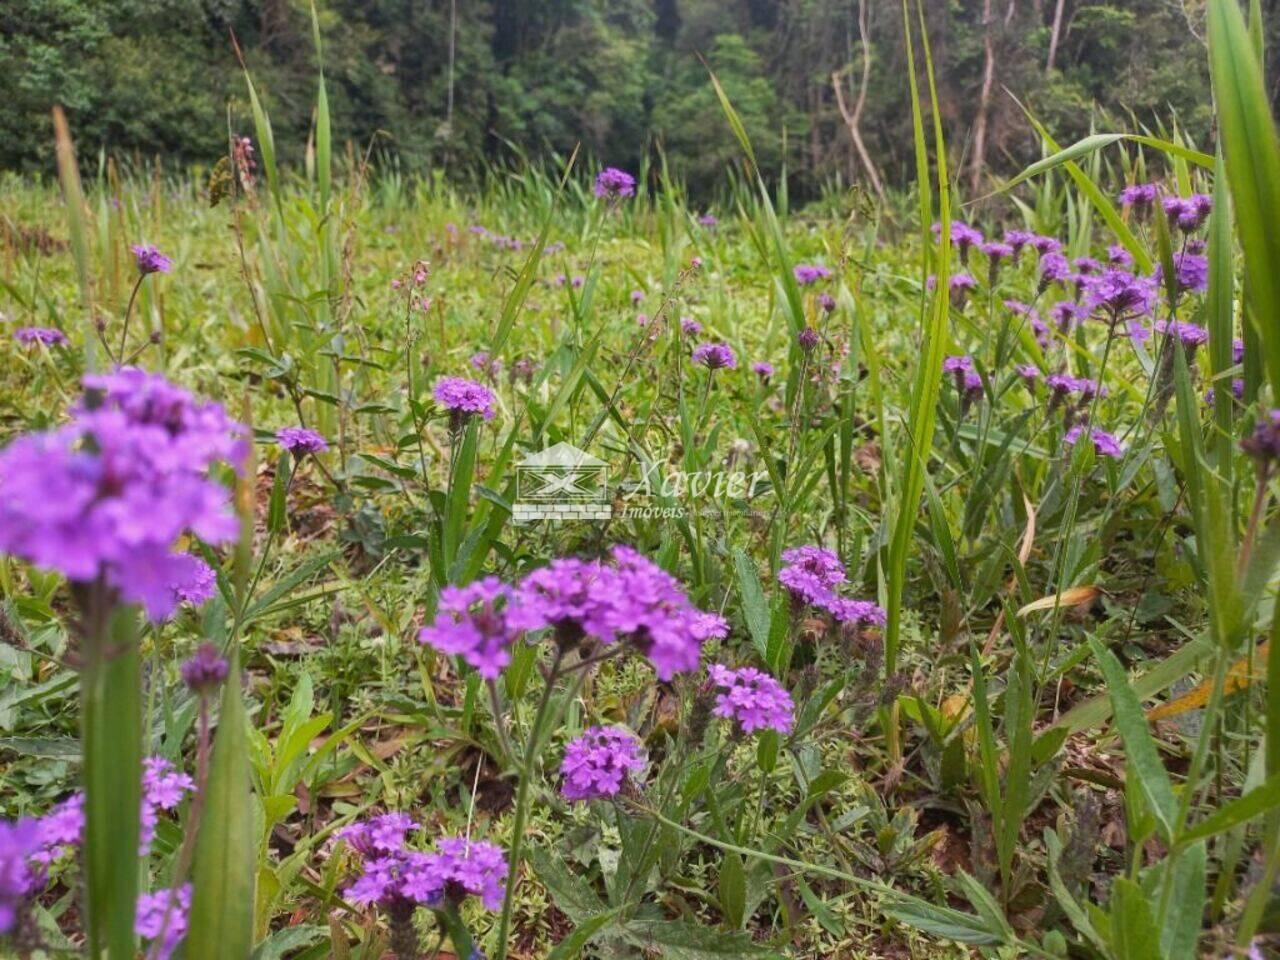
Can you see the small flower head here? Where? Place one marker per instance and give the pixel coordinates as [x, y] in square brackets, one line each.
[1190, 272]
[1120, 294]
[1054, 268]
[752, 699]
[163, 914]
[690, 327]
[810, 574]
[44, 336]
[300, 441]
[826, 302]
[473, 622]
[19, 880]
[597, 763]
[807, 274]
[1190, 335]
[1104, 444]
[612, 182]
[707, 220]
[1188, 213]
[1017, 239]
[151, 260]
[464, 398]
[1118, 255]
[1139, 196]
[762, 369]
[714, 356]
[205, 670]
[808, 338]
[378, 835]
[1263, 445]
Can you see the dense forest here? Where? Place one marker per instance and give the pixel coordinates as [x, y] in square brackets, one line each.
[452, 85]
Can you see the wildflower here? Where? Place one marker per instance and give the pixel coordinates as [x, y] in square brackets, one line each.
[1237, 391]
[1190, 272]
[807, 338]
[1237, 351]
[856, 613]
[163, 914]
[695, 262]
[714, 356]
[827, 302]
[1263, 445]
[472, 867]
[596, 763]
[1119, 256]
[300, 441]
[1087, 265]
[19, 841]
[763, 370]
[811, 574]
[612, 182]
[1054, 268]
[690, 327]
[1120, 294]
[205, 670]
[1139, 196]
[150, 260]
[1017, 239]
[637, 296]
[61, 829]
[806, 274]
[472, 622]
[1188, 213]
[959, 286]
[464, 398]
[1190, 335]
[996, 253]
[1045, 245]
[486, 365]
[707, 220]
[378, 835]
[1028, 373]
[46, 336]
[1067, 313]
[1104, 444]
[109, 494]
[752, 699]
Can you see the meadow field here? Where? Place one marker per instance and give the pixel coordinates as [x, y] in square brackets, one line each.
[550, 566]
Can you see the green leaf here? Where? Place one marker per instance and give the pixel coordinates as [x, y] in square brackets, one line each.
[732, 890]
[945, 922]
[111, 731]
[1133, 928]
[1251, 149]
[572, 945]
[1239, 811]
[755, 608]
[221, 919]
[683, 940]
[1143, 760]
[569, 893]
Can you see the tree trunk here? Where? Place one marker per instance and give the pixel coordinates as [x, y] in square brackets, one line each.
[853, 118]
[979, 160]
[1055, 34]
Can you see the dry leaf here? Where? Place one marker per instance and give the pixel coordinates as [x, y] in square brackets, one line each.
[1071, 597]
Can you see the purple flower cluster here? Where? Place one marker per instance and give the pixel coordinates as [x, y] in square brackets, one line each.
[612, 182]
[164, 787]
[110, 493]
[807, 273]
[1140, 196]
[762, 369]
[596, 763]
[205, 670]
[163, 914]
[1104, 444]
[1190, 272]
[715, 356]
[151, 260]
[392, 875]
[46, 336]
[752, 699]
[382, 834]
[1263, 445]
[464, 398]
[19, 877]
[1120, 294]
[967, 379]
[1190, 335]
[626, 598]
[300, 441]
[1188, 213]
[813, 575]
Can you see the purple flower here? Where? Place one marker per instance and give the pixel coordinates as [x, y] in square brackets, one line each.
[163, 914]
[472, 622]
[690, 327]
[1140, 196]
[1067, 313]
[151, 260]
[163, 788]
[110, 493]
[378, 835]
[637, 296]
[1054, 268]
[762, 369]
[1190, 271]
[612, 182]
[486, 365]
[300, 441]
[806, 274]
[714, 356]
[826, 301]
[856, 613]
[963, 236]
[962, 282]
[1189, 213]
[1120, 294]
[205, 670]
[707, 220]
[61, 828]
[596, 763]
[1104, 444]
[752, 699]
[46, 336]
[997, 251]
[19, 841]
[1045, 245]
[1087, 265]
[471, 867]
[1190, 335]
[810, 573]
[464, 398]
[1237, 391]
[1263, 444]
[957, 363]
[1029, 373]
[807, 338]
[1017, 239]
[1119, 256]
